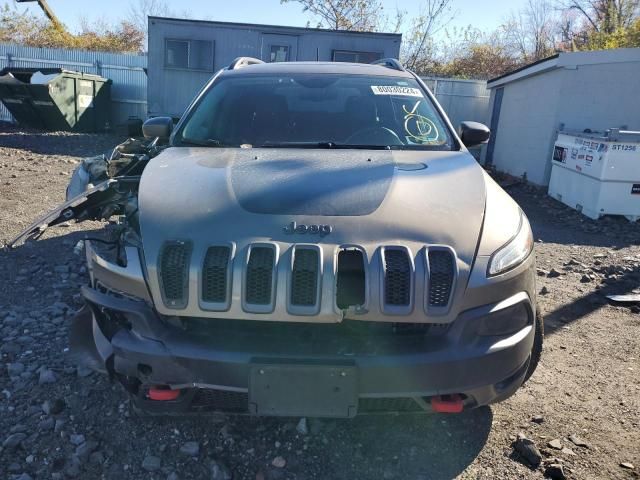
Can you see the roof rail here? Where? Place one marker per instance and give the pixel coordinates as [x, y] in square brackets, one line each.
[243, 62]
[389, 63]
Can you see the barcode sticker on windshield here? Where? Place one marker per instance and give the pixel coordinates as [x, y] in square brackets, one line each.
[395, 90]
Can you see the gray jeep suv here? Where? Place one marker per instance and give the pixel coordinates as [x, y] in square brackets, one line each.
[314, 240]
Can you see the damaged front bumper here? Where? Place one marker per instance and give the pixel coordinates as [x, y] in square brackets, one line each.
[338, 370]
[99, 188]
[97, 203]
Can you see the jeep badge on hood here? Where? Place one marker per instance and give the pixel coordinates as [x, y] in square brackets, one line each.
[321, 230]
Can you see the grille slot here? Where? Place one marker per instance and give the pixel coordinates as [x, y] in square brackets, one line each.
[259, 276]
[351, 281]
[173, 274]
[441, 275]
[215, 278]
[210, 400]
[304, 278]
[397, 278]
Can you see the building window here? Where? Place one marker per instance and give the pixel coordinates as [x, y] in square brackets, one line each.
[189, 54]
[177, 54]
[355, 57]
[279, 53]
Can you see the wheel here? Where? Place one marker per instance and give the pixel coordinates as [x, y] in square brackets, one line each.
[536, 351]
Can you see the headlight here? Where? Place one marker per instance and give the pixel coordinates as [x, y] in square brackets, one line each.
[514, 252]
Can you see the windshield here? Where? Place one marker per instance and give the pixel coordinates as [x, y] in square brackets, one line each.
[298, 110]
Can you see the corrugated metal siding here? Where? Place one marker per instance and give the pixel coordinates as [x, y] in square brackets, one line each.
[127, 71]
[461, 99]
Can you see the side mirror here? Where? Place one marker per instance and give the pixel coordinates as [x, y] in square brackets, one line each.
[474, 133]
[159, 127]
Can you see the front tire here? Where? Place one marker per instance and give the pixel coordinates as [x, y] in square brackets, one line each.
[536, 351]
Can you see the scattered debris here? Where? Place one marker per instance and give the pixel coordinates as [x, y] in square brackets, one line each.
[631, 298]
[83, 371]
[151, 463]
[46, 376]
[553, 273]
[302, 427]
[219, 471]
[53, 407]
[576, 440]
[555, 471]
[76, 439]
[84, 450]
[192, 449]
[555, 444]
[15, 369]
[627, 465]
[13, 440]
[527, 449]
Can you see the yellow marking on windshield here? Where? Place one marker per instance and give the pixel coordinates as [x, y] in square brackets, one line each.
[418, 127]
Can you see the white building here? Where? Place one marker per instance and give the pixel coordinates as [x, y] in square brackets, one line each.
[594, 90]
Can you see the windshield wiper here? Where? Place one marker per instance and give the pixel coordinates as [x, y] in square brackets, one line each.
[208, 142]
[329, 145]
[270, 144]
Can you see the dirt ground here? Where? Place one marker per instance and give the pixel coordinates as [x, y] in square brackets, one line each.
[58, 421]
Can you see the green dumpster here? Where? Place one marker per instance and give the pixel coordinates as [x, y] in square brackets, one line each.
[56, 99]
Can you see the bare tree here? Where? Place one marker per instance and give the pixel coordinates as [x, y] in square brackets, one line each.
[471, 53]
[605, 16]
[359, 15]
[141, 10]
[419, 44]
[532, 32]
[395, 23]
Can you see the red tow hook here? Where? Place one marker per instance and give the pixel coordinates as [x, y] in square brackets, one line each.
[162, 394]
[447, 403]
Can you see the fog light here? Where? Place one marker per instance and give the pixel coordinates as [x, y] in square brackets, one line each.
[506, 321]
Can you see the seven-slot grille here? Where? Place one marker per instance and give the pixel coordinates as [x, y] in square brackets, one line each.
[397, 278]
[259, 276]
[215, 276]
[441, 275]
[174, 274]
[304, 278]
[305, 274]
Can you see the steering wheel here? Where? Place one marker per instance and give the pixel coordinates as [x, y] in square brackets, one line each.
[374, 136]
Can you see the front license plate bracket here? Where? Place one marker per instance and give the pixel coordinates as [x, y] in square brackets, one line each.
[303, 390]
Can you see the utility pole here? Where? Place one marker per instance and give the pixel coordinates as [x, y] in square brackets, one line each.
[47, 11]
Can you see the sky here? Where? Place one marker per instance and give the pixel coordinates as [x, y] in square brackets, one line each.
[482, 14]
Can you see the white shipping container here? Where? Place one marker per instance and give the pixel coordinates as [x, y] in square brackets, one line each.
[597, 173]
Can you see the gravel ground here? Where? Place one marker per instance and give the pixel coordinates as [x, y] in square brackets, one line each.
[581, 408]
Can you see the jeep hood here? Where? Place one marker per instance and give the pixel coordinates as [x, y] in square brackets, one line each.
[236, 195]
[215, 196]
